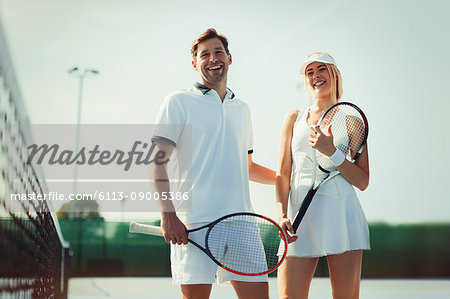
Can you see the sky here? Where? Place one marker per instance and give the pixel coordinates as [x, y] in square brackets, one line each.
[393, 56]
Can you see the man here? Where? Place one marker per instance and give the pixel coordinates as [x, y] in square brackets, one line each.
[222, 147]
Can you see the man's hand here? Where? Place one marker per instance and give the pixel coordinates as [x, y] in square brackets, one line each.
[173, 229]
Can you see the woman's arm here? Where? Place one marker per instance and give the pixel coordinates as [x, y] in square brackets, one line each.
[356, 173]
[284, 174]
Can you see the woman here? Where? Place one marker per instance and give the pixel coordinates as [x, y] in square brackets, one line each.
[334, 225]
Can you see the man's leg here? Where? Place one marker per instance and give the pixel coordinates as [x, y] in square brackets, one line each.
[196, 291]
[250, 290]
[191, 268]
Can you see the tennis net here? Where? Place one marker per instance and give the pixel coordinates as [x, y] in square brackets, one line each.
[34, 258]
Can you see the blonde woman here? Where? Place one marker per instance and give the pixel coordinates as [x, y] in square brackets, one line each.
[334, 225]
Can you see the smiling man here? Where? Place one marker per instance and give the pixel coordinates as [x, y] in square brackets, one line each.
[222, 147]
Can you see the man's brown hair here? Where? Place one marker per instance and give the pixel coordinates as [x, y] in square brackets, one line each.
[209, 33]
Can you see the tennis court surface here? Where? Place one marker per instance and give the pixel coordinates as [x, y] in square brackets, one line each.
[155, 288]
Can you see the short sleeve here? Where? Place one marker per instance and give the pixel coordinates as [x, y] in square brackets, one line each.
[169, 121]
[250, 134]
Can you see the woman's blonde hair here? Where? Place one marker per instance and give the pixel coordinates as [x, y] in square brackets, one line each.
[336, 78]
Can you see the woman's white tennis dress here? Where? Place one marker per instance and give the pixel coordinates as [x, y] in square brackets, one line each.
[335, 221]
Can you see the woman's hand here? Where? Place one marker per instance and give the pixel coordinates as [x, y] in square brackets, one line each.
[323, 142]
[286, 226]
[356, 173]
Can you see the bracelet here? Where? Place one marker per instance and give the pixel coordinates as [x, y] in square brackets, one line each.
[337, 158]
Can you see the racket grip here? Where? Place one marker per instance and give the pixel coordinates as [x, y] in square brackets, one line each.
[145, 229]
[303, 208]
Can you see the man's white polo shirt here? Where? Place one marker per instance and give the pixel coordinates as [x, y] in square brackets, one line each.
[222, 138]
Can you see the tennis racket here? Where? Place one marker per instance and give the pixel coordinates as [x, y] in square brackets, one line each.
[350, 129]
[242, 243]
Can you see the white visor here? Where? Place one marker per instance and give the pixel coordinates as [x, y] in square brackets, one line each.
[318, 57]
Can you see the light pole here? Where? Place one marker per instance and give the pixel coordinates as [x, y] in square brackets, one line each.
[75, 71]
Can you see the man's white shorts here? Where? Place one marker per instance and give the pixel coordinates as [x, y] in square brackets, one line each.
[190, 265]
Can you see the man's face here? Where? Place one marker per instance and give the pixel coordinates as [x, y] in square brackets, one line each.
[212, 61]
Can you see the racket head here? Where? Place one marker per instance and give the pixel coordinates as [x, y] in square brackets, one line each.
[246, 244]
[350, 129]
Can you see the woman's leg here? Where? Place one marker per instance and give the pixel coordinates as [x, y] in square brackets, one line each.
[294, 277]
[345, 274]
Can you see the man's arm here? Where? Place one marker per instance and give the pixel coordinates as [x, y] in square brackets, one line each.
[260, 174]
[173, 229]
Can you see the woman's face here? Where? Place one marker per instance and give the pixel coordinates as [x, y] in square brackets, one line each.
[318, 78]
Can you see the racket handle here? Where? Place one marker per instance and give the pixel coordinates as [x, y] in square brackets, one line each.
[145, 229]
[303, 208]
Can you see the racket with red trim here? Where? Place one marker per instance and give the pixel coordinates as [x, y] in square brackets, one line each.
[242, 243]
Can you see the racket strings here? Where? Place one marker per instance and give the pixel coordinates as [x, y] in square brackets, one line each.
[245, 244]
[348, 129]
